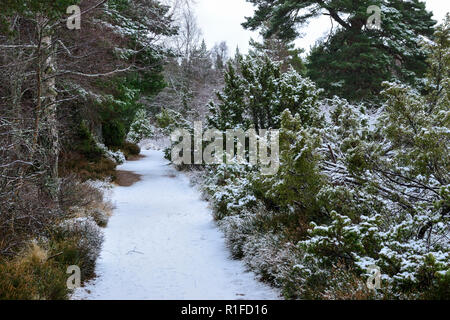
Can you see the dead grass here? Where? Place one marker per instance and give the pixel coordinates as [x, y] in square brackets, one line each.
[75, 163]
[37, 269]
[33, 254]
[32, 276]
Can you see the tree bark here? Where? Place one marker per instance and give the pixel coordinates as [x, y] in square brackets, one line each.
[46, 110]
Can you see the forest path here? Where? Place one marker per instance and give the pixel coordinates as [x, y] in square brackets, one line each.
[162, 243]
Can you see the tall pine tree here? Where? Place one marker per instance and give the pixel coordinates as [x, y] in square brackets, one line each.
[355, 59]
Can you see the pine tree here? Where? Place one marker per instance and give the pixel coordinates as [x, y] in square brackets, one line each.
[294, 188]
[257, 92]
[230, 110]
[141, 127]
[201, 63]
[220, 55]
[282, 51]
[355, 59]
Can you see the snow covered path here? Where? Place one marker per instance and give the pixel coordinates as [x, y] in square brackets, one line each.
[162, 243]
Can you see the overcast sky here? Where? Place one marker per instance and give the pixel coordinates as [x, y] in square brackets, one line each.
[220, 20]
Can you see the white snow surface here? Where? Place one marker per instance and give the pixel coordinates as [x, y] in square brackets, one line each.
[162, 244]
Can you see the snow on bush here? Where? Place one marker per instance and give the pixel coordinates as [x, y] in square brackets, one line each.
[366, 219]
[228, 188]
[354, 190]
[100, 217]
[116, 156]
[89, 237]
[236, 230]
[141, 128]
[169, 120]
[270, 257]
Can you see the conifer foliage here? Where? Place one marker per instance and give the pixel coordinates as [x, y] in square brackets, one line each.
[354, 59]
[355, 189]
[257, 92]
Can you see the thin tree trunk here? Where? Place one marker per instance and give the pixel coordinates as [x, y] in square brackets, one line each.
[46, 109]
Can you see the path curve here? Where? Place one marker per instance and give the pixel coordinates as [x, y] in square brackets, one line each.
[162, 244]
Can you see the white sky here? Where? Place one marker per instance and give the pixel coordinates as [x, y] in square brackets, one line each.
[220, 20]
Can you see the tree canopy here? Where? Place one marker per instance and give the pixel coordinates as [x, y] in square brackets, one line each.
[354, 50]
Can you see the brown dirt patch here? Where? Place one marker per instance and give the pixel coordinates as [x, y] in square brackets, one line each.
[136, 158]
[126, 178]
[170, 175]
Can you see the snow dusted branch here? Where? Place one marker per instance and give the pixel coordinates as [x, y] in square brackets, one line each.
[16, 162]
[64, 72]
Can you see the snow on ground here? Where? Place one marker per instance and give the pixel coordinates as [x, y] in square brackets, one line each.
[162, 243]
[159, 142]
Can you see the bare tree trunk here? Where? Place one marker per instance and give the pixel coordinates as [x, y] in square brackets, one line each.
[50, 110]
[46, 109]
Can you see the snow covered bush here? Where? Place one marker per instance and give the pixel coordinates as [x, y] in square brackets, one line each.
[270, 257]
[257, 92]
[409, 268]
[87, 237]
[354, 189]
[387, 197]
[228, 188]
[298, 179]
[237, 229]
[141, 128]
[169, 120]
[116, 156]
[100, 217]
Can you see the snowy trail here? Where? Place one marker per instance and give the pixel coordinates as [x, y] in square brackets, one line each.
[162, 243]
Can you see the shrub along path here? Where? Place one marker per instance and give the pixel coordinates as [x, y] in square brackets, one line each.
[162, 243]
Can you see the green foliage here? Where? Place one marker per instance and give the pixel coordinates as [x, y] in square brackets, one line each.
[281, 51]
[114, 133]
[228, 187]
[170, 120]
[438, 84]
[141, 127]
[149, 82]
[119, 5]
[258, 94]
[396, 207]
[351, 68]
[294, 187]
[118, 111]
[230, 112]
[30, 8]
[353, 190]
[86, 143]
[418, 126]
[354, 60]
